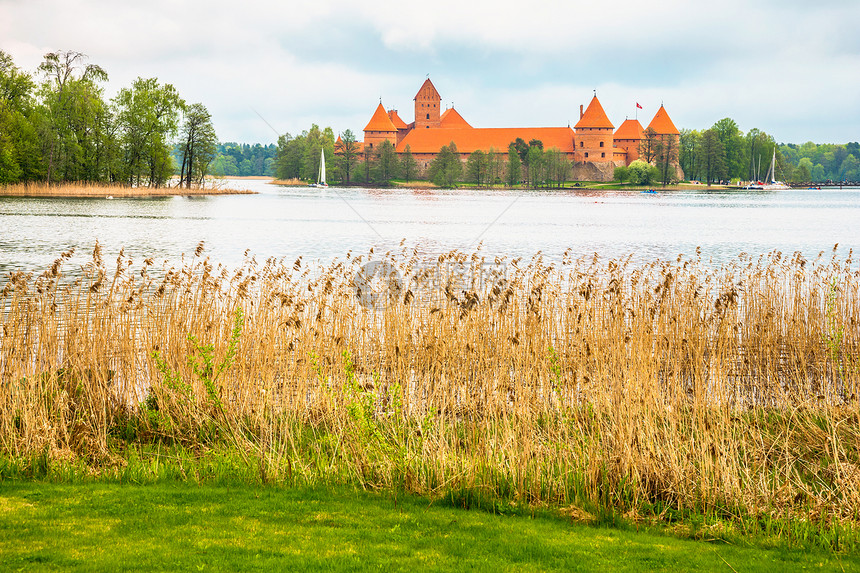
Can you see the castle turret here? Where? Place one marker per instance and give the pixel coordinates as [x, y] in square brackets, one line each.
[669, 137]
[427, 103]
[628, 137]
[593, 134]
[379, 129]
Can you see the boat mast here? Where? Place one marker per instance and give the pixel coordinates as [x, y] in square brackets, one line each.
[771, 174]
[321, 176]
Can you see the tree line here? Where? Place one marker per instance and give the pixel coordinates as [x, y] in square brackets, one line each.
[56, 126]
[723, 152]
[243, 159]
[348, 161]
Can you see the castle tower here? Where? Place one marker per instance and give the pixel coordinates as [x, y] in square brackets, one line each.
[668, 135]
[402, 127]
[427, 103]
[628, 137]
[593, 134]
[662, 124]
[379, 129]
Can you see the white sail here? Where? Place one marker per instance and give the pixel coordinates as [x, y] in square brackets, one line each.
[321, 178]
[771, 174]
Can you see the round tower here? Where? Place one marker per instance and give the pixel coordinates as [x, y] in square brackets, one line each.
[594, 139]
[379, 129]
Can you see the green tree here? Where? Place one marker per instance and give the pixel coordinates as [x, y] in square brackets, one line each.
[849, 169]
[689, 143]
[495, 166]
[408, 164]
[199, 145]
[148, 116]
[621, 173]
[20, 145]
[476, 167]
[16, 86]
[535, 164]
[513, 171]
[641, 173]
[556, 167]
[733, 147]
[346, 149]
[667, 158]
[290, 157]
[803, 173]
[75, 121]
[387, 165]
[712, 157]
[649, 145]
[446, 169]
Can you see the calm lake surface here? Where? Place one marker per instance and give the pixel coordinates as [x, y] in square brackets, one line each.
[321, 225]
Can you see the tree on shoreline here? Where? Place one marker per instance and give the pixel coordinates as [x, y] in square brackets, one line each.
[347, 150]
[199, 149]
[74, 116]
[408, 164]
[446, 169]
[712, 159]
[148, 116]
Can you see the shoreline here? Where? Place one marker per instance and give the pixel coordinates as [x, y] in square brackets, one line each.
[73, 191]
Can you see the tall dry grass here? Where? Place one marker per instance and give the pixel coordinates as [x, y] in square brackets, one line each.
[103, 190]
[656, 388]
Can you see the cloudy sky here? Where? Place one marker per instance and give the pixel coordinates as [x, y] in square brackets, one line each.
[788, 67]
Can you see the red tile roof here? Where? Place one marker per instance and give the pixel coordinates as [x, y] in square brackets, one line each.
[428, 84]
[380, 121]
[452, 118]
[594, 117]
[395, 119]
[661, 123]
[630, 129]
[471, 139]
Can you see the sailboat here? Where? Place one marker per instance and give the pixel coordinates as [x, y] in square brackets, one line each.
[321, 175]
[770, 183]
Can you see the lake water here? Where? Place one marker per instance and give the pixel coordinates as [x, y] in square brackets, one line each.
[325, 224]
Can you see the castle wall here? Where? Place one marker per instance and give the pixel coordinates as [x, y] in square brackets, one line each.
[631, 146]
[591, 171]
[372, 139]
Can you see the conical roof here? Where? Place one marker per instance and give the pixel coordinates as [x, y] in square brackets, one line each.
[662, 125]
[429, 90]
[452, 118]
[630, 129]
[594, 117]
[380, 121]
[395, 119]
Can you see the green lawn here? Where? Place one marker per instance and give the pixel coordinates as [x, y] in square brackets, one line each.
[182, 526]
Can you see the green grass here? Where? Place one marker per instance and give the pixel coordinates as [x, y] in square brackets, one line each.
[186, 526]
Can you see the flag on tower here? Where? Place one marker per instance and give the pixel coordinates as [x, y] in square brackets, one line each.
[638, 106]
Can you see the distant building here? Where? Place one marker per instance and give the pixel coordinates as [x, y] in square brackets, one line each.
[592, 144]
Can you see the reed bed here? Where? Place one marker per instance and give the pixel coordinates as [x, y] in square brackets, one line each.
[105, 190]
[652, 390]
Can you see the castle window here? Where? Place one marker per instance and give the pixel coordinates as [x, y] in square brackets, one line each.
[371, 145]
[601, 144]
[428, 116]
[586, 155]
[602, 155]
[580, 144]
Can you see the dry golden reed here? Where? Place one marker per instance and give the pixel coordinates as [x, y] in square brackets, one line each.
[669, 385]
[104, 190]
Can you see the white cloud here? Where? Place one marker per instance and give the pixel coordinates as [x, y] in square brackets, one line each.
[784, 66]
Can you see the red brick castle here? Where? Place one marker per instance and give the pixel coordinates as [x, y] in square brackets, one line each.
[593, 144]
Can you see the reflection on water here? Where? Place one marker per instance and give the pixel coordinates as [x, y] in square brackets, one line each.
[324, 224]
